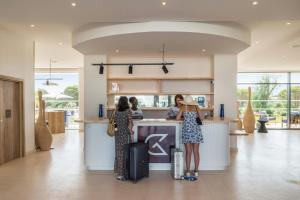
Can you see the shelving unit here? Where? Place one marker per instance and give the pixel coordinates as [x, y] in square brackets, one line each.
[200, 83]
[154, 93]
[162, 109]
[200, 86]
[158, 78]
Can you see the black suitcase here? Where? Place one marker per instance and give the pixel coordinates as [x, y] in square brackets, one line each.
[136, 161]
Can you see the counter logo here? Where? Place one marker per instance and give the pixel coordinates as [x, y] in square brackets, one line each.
[156, 145]
[160, 139]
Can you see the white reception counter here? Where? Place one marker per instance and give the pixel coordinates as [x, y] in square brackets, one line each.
[161, 135]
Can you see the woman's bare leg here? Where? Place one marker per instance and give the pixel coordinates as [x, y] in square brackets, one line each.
[195, 148]
[188, 155]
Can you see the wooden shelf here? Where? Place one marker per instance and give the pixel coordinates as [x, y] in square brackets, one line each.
[155, 93]
[158, 78]
[239, 133]
[162, 109]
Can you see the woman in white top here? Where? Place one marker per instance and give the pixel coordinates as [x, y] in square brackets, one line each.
[172, 113]
[137, 113]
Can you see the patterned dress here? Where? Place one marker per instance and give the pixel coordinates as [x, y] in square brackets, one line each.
[172, 112]
[122, 137]
[191, 131]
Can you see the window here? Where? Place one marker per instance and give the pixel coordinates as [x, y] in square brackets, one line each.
[295, 100]
[275, 96]
[269, 96]
[60, 95]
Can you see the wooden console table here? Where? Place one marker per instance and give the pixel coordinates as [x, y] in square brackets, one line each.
[56, 121]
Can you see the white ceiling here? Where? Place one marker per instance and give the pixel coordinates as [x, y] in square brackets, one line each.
[274, 47]
[188, 38]
[55, 20]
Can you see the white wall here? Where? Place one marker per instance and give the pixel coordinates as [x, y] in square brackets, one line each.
[94, 86]
[225, 72]
[64, 55]
[17, 60]
[183, 66]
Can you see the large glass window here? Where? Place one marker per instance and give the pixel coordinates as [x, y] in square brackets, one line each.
[275, 96]
[269, 96]
[60, 94]
[295, 100]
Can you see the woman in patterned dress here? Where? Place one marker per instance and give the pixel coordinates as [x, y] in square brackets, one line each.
[191, 132]
[123, 134]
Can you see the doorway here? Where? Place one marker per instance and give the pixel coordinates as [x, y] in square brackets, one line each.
[11, 119]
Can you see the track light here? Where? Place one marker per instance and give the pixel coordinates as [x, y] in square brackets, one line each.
[165, 69]
[130, 69]
[101, 69]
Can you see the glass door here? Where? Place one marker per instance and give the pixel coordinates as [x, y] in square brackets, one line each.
[295, 101]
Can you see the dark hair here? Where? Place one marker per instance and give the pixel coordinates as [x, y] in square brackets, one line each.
[132, 99]
[123, 104]
[178, 96]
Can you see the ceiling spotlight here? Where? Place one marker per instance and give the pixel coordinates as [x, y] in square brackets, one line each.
[101, 69]
[32, 25]
[117, 50]
[165, 69]
[164, 3]
[288, 23]
[254, 3]
[130, 69]
[256, 42]
[203, 50]
[60, 43]
[73, 4]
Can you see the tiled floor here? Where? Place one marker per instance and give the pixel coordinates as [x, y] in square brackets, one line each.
[267, 166]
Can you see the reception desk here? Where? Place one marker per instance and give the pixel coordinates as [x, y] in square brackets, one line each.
[161, 135]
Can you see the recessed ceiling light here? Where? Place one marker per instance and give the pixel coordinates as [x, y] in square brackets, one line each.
[256, 42]
[32, 25]
[288, 23]
[164, 3]
[60, 43]
[73, 4]
[254, 3]
[117, 50]
[203, 50]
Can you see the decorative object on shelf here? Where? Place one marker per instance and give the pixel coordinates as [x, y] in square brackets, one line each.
[222, 112]
[249, 118]
[43, 136]
[239, 122]
[201, 101]
[101, 111]
[115, 87]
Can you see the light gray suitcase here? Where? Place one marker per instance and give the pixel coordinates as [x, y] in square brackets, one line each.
[177, 164]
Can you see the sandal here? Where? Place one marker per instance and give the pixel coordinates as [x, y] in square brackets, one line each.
[196, 173]
[188, 173]
[120, 178]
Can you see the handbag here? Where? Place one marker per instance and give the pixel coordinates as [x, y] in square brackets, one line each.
[199, 121]
[111, 125]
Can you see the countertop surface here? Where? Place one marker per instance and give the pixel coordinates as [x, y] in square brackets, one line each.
[142, 121]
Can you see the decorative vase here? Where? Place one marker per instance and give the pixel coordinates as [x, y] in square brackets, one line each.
[249, 118]
[222, 112]
[42, 133]
[239, 124]
[100, 113]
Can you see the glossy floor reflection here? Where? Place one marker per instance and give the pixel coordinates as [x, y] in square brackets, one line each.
[267, 166]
